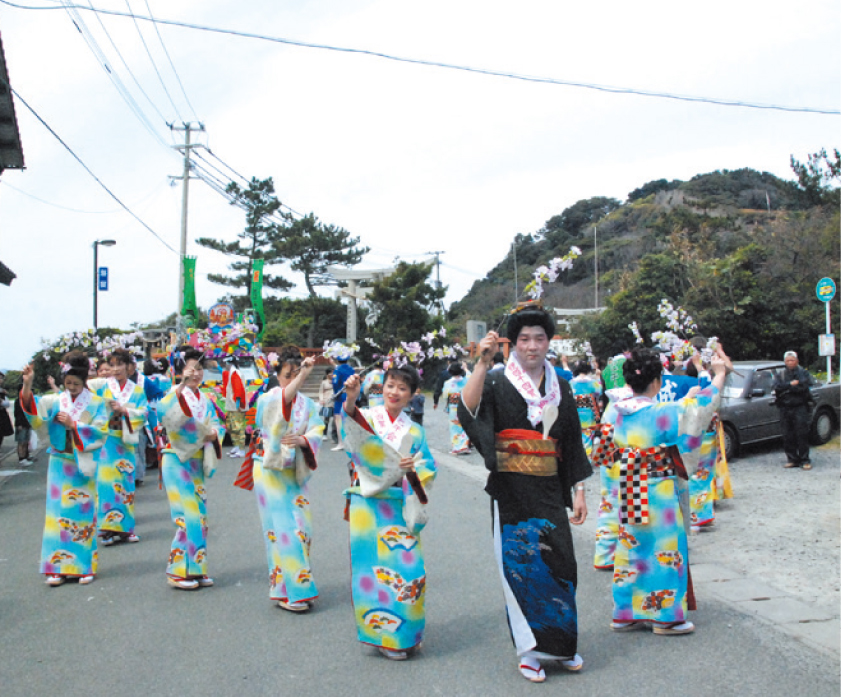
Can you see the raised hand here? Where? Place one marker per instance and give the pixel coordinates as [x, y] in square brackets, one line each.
[488, 346]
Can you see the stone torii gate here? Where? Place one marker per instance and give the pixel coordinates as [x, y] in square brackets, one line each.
[353, 292]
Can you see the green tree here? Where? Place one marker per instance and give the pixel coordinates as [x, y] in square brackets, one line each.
[817, 176]
[585, 212]
[312, 246]
[404, 305]
[653, 187]
[296, 321]
[258, 240]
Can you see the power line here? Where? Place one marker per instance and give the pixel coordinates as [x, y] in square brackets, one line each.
[87, 169]
[68, 208]
[463, 68]
[101, 58]
[152, 60]
[127, 96]
[171, 64]
[246, 180]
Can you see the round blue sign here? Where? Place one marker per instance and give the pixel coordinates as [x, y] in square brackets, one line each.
[825, 289]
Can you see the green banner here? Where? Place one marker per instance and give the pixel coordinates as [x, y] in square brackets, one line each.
[257, 295]
[188, 308]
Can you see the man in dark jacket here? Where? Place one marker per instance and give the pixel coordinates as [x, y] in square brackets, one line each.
[794, 400]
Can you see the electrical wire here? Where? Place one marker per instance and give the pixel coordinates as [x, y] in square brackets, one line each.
[463, 68]
[130, 99]
[152, 60]
[101, 58]
[87, 169]
[171, 64]
[246, 180]
[68, 208]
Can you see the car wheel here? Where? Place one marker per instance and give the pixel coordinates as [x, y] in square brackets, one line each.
[822, 426]
[731, 442]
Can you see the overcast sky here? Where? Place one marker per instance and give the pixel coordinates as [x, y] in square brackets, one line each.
[411, 158]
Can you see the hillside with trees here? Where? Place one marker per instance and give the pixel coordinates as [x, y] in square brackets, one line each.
[741, 250]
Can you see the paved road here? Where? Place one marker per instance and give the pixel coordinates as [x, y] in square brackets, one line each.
[129, 633]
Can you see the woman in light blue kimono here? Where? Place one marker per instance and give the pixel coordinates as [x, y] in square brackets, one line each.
[289, 427]
[451, 394]
[192, 453]
[651, 579]
[587, 388]
[393, 471]
[75, 420]
[127, 407]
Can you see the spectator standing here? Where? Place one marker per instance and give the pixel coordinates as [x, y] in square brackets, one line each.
[794, 400]
[340, 375]
[6, 428]
[23, 434]
[325, 401]
[499, 362]
[416, 407]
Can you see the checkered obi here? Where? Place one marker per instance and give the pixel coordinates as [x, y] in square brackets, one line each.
[636, 467]
[713, 424]
[257, 443]
[526, 452]
[588, 401]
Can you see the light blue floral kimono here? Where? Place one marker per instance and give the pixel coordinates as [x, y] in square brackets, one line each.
[651, 580]
[388, 576]
[280, 483]
[186, 461]
[69, 543]
[451, 394]
[115, 479]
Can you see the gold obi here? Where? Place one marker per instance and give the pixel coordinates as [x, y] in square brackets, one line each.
[526, 452]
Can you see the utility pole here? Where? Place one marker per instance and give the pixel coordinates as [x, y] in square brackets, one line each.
[596, 250]
[514, 252]
[438, 278]
[187, 127]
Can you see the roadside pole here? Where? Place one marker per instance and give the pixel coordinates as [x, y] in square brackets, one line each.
[825, 291]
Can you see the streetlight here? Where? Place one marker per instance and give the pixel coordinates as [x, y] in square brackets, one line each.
[96, 243]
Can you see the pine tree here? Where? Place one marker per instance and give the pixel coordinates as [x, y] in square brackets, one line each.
[259, 240]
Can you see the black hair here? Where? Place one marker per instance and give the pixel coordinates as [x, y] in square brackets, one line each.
[122, 356]
[530, 317]
[289, 354]
[153, 366]
[582, 368]
[641, 369]
[79, 365]
[455, 369]
[187, 353]
[691, 370]
[407, 374]
[193, 354]
[499, 357]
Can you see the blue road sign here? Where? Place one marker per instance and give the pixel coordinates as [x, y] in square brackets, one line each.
[825, 289]
[103, 278]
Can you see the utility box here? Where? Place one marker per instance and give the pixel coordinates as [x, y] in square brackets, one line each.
[476, 331]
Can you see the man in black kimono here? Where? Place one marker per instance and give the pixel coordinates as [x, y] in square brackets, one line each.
[506, 414]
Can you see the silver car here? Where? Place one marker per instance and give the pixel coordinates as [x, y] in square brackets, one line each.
[748, 413]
